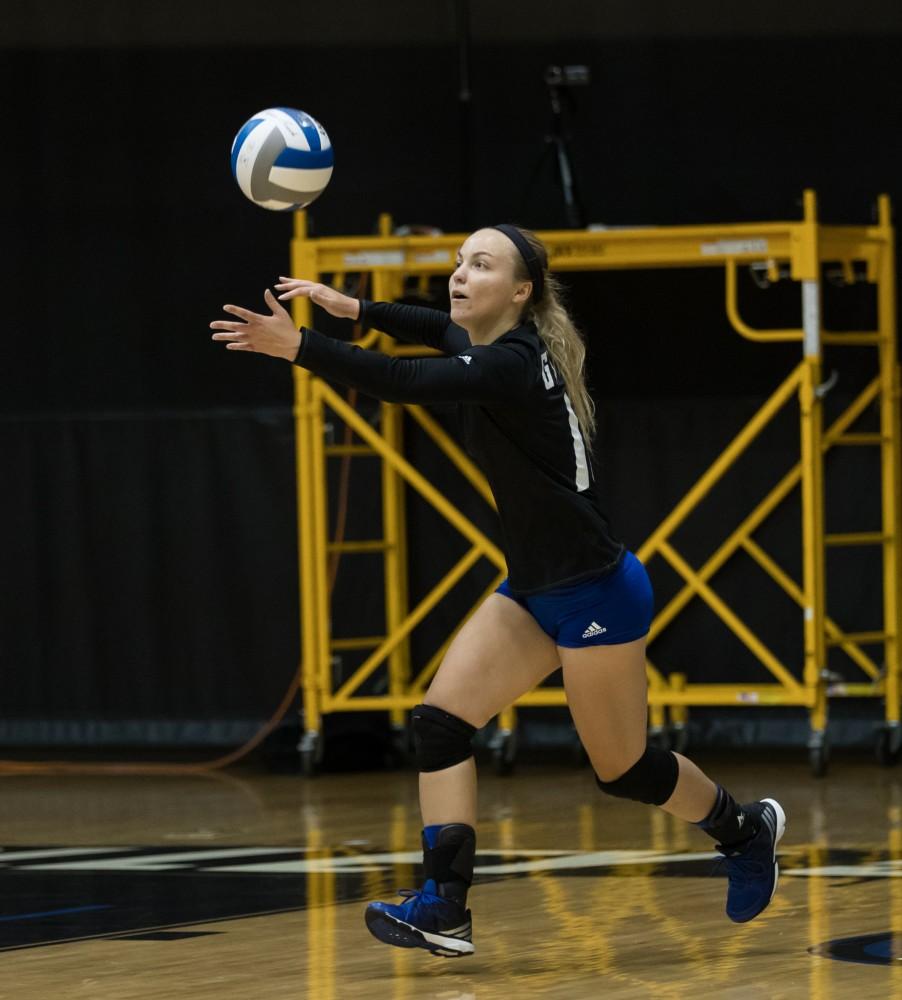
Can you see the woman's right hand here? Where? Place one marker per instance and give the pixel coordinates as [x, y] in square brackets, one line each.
[335, 303]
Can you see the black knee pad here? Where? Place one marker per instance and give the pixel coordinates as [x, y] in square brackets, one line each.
[440, 739]
[651, 779]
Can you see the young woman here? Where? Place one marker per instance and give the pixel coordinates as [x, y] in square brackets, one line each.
[574, 598]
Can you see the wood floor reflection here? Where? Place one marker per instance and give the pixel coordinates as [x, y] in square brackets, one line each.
[580, 896]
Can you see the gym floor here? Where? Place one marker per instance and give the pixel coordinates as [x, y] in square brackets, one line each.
[252, 885]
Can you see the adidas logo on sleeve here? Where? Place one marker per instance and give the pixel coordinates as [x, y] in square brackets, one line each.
[593, 630]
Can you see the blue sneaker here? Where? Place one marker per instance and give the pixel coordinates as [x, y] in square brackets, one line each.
[425, 920]
[752, 867]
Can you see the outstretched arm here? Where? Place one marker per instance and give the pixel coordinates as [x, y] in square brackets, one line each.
[493, 374]
[490, 374]
[412, 324]
[416, 325]
[334, 302]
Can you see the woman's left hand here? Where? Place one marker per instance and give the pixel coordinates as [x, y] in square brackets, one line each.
[275, 335]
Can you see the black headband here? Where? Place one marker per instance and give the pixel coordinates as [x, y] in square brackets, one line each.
[533, 264]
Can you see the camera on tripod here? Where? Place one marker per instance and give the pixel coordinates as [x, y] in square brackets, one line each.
[560, 81]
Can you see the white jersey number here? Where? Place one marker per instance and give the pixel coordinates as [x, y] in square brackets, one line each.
[547, 371]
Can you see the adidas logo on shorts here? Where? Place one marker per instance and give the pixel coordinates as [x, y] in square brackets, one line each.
[593, 630]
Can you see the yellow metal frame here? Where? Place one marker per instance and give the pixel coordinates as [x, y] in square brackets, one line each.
[802, 247]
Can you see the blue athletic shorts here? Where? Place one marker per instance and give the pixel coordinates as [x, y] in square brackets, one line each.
[603, 610]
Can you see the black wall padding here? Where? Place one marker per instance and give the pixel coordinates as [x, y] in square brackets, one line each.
[150, 569]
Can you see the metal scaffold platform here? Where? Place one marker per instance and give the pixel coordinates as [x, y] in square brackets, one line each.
[798, 251]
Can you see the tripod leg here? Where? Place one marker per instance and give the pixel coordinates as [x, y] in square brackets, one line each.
[572, 207]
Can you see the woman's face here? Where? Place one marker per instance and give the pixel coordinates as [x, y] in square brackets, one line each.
[484, 290]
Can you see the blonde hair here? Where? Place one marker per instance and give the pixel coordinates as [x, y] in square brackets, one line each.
[559, 334]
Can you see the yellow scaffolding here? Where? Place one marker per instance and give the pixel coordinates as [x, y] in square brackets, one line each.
[797, 249]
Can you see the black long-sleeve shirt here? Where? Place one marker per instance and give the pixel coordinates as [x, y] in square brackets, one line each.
[517, 422]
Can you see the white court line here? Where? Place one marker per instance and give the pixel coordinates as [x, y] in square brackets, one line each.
[561, 860]
[58, 852]
[874, 869]
[159, 862]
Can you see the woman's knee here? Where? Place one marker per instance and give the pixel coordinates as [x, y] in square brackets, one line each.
[651, 779]
[612, 759]
[457, 701]
[613, 769]
[440, 739]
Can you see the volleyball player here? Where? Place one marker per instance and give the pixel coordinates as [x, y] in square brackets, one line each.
[574, 597]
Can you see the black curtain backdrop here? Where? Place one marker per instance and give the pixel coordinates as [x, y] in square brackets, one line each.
[149, 570]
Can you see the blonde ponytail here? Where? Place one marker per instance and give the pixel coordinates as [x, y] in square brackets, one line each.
[565, 344]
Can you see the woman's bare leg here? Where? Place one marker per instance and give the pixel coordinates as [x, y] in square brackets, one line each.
[499, 654]
[449, 796]
[607, 693]
[606, 690]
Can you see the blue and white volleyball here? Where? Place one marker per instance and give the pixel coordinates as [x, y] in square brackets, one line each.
[282, 159]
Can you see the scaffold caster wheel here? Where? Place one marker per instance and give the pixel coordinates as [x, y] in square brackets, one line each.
[679, 737]
[889, 744]
[311, 750]
[503, 745]
[818, 755]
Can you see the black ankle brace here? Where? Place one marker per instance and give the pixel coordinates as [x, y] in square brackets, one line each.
[727, 823]
[450, 862]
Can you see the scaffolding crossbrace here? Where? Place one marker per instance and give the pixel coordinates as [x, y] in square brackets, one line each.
[801, 248]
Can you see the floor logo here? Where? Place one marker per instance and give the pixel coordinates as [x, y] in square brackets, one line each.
[867, 949]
